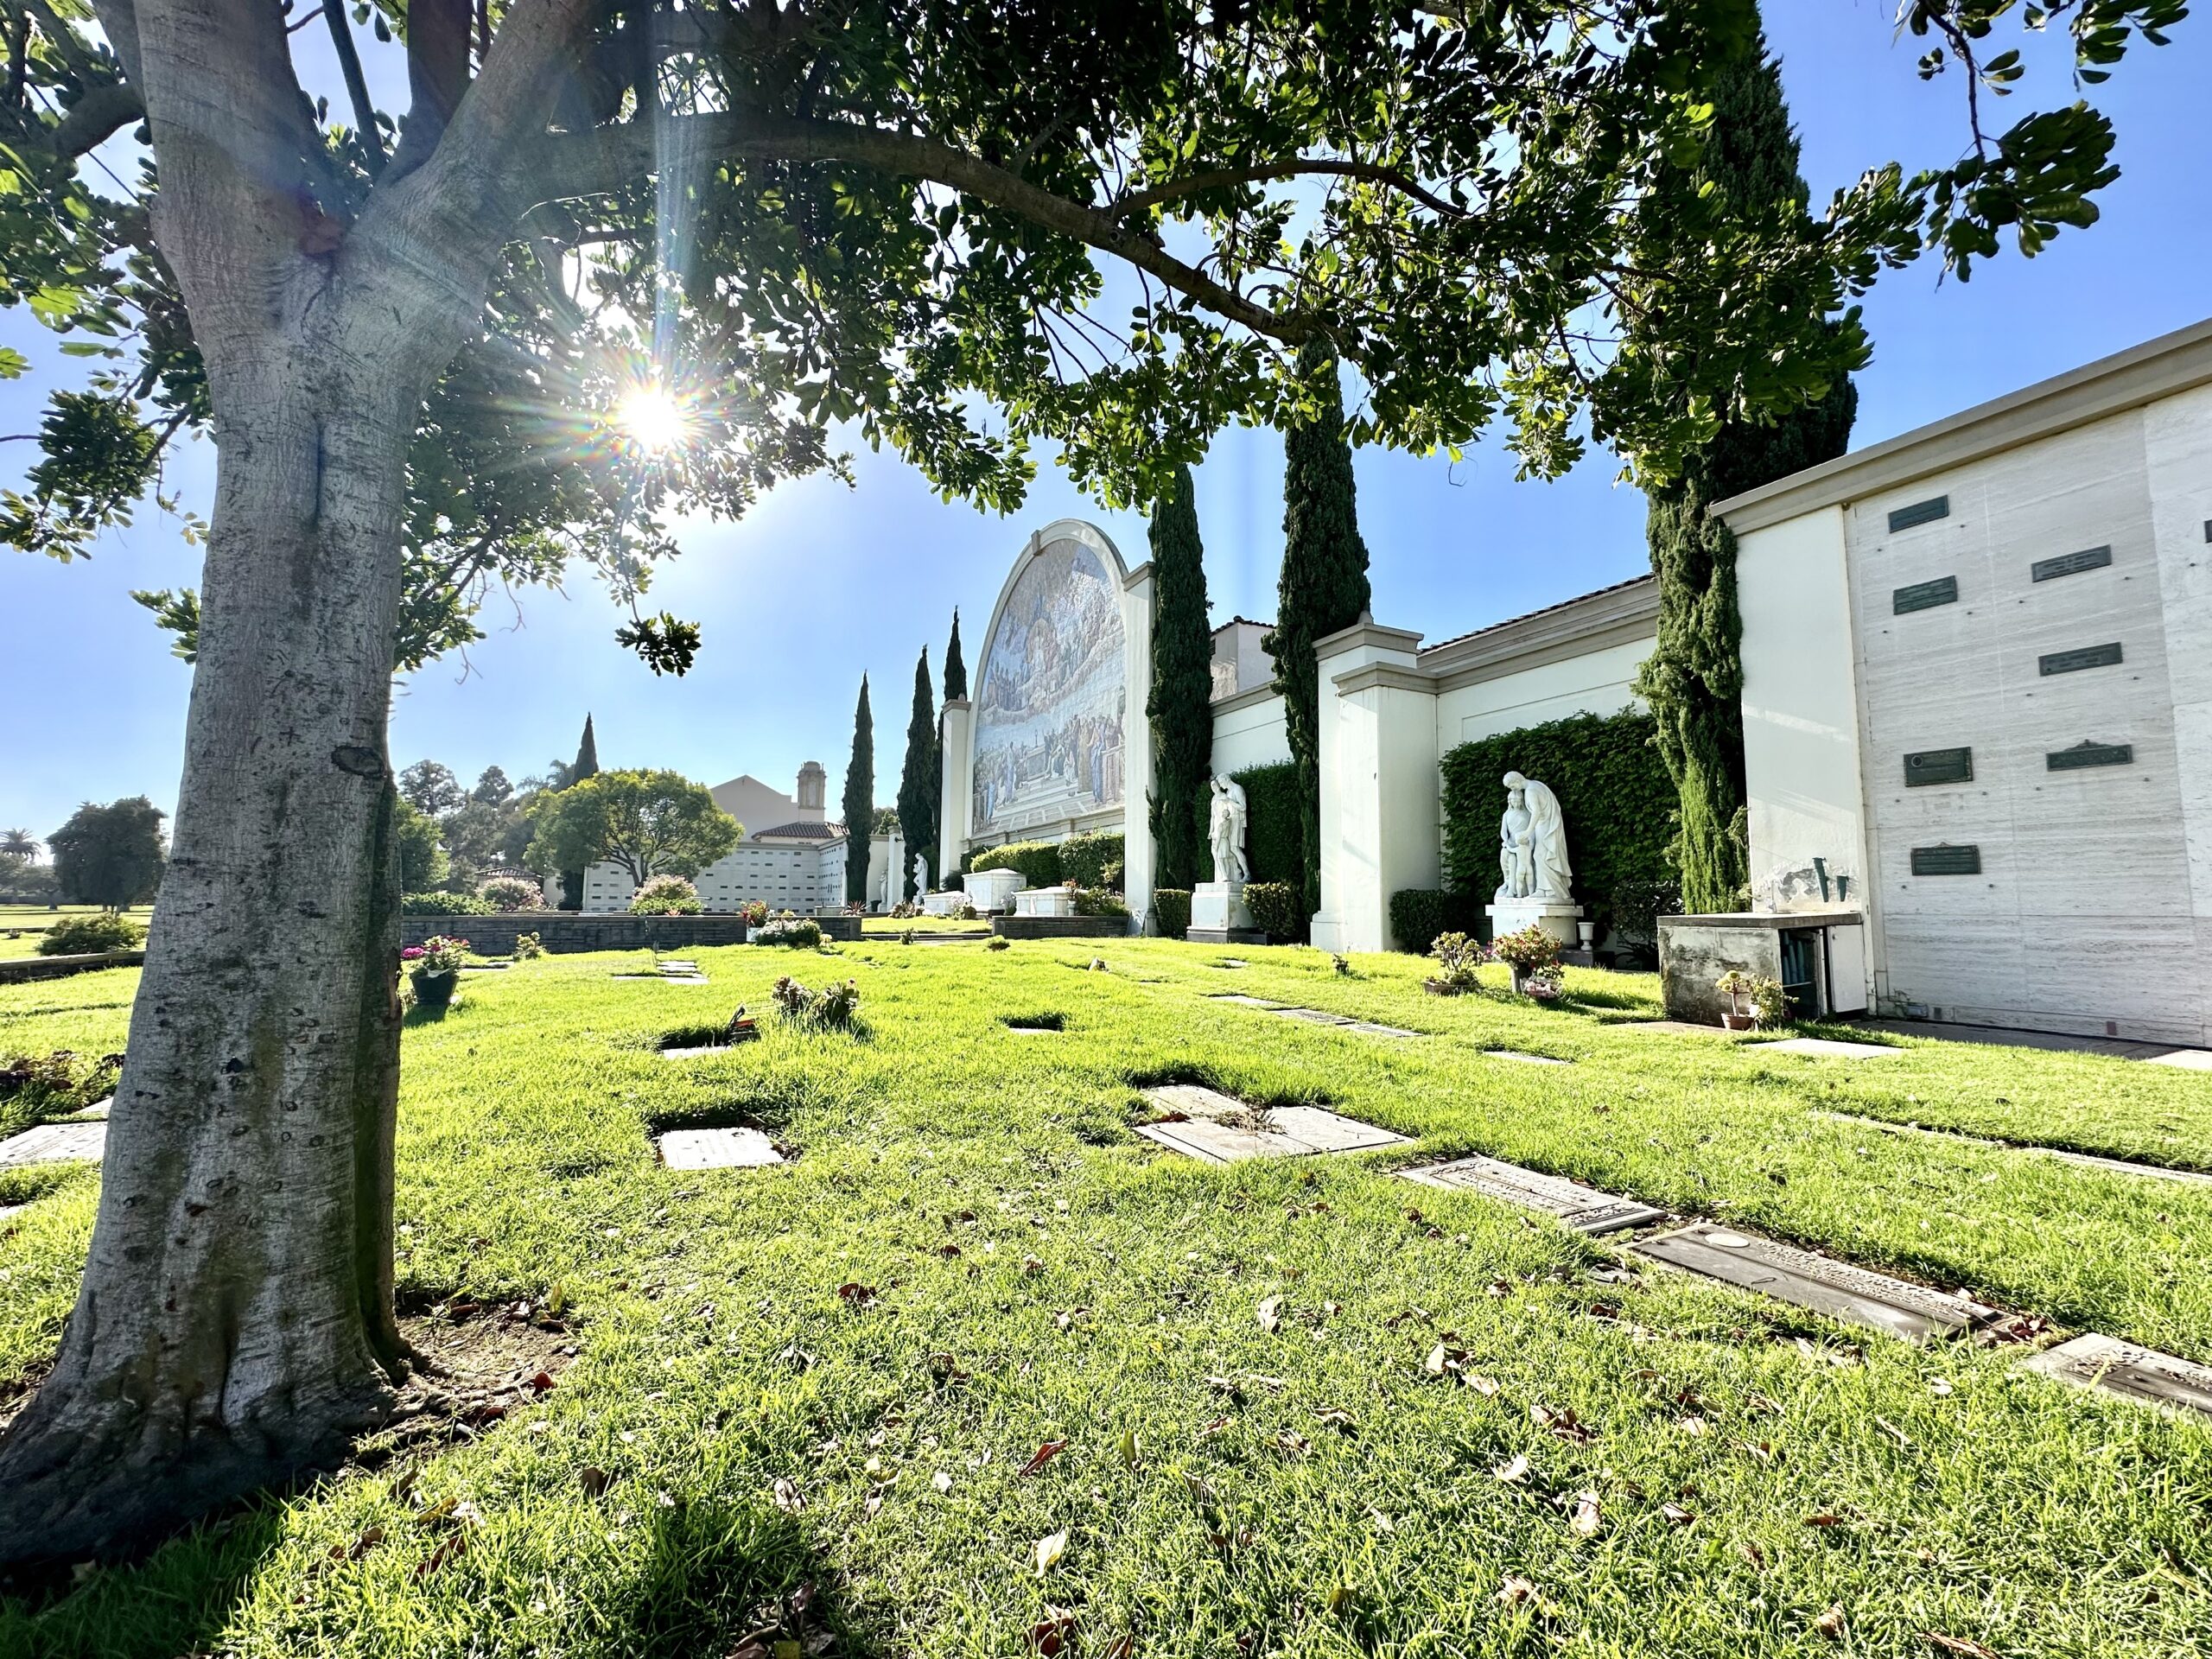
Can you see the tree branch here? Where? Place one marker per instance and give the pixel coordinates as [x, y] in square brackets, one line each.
[95, 118]
[587, 164]
[1295, 167]
[356, 85]
[437, 76]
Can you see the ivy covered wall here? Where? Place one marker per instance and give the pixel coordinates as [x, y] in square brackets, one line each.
[1614, 792]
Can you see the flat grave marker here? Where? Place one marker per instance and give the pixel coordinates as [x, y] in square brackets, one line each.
[1672, 1028]
[1526, 1059]
[1856, 1295]
[2189, 1059]
[1828, 1046]
[1342, 1022]
[717, 1149]
[1585, 1209]
[2088, 1160]
[2124, 1368]
[54, 1143]
[1241, 1000]
[1216, 1129]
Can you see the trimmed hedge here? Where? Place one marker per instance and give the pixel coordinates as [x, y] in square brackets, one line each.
[1276, 907]
[86, 936]
[445, 904]
[1614, 791]
[1271, 820]
[1419, 914]
[1092, 860]
[1170, 911]
[1038, 861]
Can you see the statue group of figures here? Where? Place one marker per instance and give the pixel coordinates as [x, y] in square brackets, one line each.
[1532, 845]
[1225, 815]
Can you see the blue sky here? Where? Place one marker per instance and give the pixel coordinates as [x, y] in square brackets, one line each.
[821, 583]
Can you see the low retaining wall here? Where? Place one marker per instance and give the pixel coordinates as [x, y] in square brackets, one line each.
[565, 932]
[17, 970]
[1059, 927]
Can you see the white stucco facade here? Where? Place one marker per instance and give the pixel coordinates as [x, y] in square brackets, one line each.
[791, 858]
[1978, 700]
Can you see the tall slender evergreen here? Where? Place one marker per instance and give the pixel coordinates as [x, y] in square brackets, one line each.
[587, 765]
[1694, 679]
[1180, 706]
[956, 666]
[1322, 587]
[918, 781]
[859, 799]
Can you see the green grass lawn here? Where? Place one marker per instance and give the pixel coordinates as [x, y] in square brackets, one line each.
[892, 926]
[1035, 1273]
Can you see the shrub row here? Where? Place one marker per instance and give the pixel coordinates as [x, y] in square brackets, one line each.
[84, 936]
[1170, 911]
[1037, 861]
[444, 903]
[1418, 915]
[1275, 908]
[1093, 860]
[1271, 833]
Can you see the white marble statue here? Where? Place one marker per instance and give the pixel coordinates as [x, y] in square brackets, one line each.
[921, 875]
[1532, 845]
[1225, 830]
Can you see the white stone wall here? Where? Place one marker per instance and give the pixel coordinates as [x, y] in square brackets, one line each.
[801, 877]
[1249, 730]
[1601, 681]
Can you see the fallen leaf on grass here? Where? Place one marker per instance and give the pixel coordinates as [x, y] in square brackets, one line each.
[942, 1481]
[1292, 1444]
[1825, 1518]
[1479, 1383]
[1676, 1514]
[1340, 1596]
[1270, 1313]
[1830, 1624]
[1517, 1591]
[857, 1295]
[1127, 1448]
[1337, 1418]
[1052, 1634]
[1049, 1549]
[455, 1544]
[593, 1480]
[1587, 1517]
[1044, 1455]
[787, 1497]
[1514, 1469]
[1964, 1646]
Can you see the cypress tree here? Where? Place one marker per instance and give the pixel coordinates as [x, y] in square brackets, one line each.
[918, 782]
[587, 765]
[1180, 706]
[1694, 679]
[859, 799]
[1323, 587]
[956, 666]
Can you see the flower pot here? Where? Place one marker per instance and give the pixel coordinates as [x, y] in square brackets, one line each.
[432, 991]
[1739, 1021]
[1520, 982]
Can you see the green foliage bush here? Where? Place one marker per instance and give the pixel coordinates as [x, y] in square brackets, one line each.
[34, 1087]
[1096, 901]
[1275, 906]
[1039, 861]
[1419, 914]
[1271, 823]
[84, 936]
[798, 932]
[443, 904]
[1092, 860]
[512, 892]
[665, 895]
[1170, 911]
[1614, 791]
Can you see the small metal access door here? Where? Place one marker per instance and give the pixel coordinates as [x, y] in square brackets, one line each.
[1801, 972]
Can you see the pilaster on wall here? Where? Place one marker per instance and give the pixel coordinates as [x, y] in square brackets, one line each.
[955, 766]
[1138, 591]
[1378, 782]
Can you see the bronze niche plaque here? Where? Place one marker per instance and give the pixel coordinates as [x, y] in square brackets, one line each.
[2070, 564]
[1938, 766]
[2085, 755]
[1920, 512]
[2071, 662]
[1947, 859]
[1925, 595]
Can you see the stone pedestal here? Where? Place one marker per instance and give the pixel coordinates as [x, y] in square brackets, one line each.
[1557, 917]
[943, 904]
[1220, 915]
[992, 890]
[1044, 901]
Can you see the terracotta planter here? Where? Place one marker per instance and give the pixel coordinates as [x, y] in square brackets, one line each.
[1739, 1021]
[432, 991]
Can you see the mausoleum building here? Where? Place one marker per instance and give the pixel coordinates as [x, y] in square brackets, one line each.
[1978, 711]
[791, 858]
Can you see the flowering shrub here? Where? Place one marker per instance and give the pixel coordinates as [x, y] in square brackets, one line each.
[435, 955]
[512, 892]
[754, 911]
[1457, 955]
[528, 947]
[1096, 901]
[665, 895]
[1528, 951]
[831, 1008]
[800, 932]
[443, 904]
[84, 936]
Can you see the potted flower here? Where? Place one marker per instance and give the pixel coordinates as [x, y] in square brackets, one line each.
[434, 966]
[1740, 989]
[1769, 1003]
[1532, 954]
[1457, 956]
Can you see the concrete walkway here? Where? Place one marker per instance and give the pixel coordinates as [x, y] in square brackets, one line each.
[2192, 1060]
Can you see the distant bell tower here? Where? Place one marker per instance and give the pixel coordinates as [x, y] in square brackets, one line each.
[812, 780]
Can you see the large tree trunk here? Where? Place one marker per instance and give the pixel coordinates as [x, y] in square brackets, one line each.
[235, 1321]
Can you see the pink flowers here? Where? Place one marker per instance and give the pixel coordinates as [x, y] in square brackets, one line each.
[413, 953]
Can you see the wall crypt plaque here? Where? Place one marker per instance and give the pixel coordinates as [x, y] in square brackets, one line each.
[2072, 662]
[2070, 564]
[1938, 766]
[1925, 595]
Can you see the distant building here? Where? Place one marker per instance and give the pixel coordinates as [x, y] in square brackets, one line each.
[791, 858]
